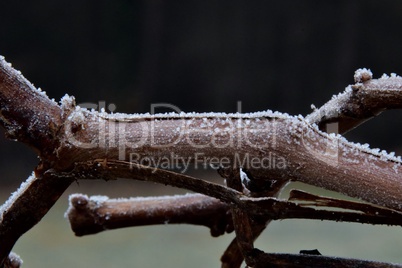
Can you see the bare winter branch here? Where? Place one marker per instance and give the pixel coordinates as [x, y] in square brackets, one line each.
[93, 215]
[262, 259]
[13, 261]
[31, 117]
[288, 148]
[27, 113]
[85, 217]
[26, 207]
[271, 147]
[360, 102]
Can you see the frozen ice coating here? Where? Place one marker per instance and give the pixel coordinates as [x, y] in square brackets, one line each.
[362, 75]
[243, 176]
[351, 146]
[100, 199]
[331, 109]
[77, 116]
[16, 194]
[67, 102]
[15, 259]
[27, 82]
[393, 75]
[393, 82]
[183, 115]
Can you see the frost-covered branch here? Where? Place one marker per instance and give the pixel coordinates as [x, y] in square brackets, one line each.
[26, 113]
[29, 116]
[26, 207]
[360, 102]
[261, 259]
[13, 261]
[271, 148]
[88, 215]
[112, 169]
[287, 148]
[271, 207]
[99, 213]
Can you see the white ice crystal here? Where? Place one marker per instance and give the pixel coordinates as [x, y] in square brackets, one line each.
[77, 116]
[193, 115]
[15, 259]
[362, 75]
[243, 176]
[67, 102]
[16, 194]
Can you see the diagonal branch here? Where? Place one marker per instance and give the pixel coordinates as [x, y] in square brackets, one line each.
[26, 207]
[320, 201]
[112, 169]
[29, 116]
[26, 113]
[360, 102]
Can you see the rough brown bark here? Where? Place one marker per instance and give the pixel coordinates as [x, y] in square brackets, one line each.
[75, 143]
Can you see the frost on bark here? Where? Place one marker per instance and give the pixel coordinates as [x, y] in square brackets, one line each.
[74, 143]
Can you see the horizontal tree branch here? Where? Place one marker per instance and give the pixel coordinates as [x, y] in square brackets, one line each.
[270, 208]
[75, 143]
[280, 260]
[93, 215]
[293, 148]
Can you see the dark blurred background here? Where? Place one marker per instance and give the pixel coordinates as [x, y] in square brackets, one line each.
[200, 56]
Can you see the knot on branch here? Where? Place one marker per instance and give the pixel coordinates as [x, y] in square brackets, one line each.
[12, 261]
[363, 75]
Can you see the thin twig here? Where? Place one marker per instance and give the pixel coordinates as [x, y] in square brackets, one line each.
[241, 218]
[279, 260]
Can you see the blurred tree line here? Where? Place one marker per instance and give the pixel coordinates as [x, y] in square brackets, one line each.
[201, 55]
